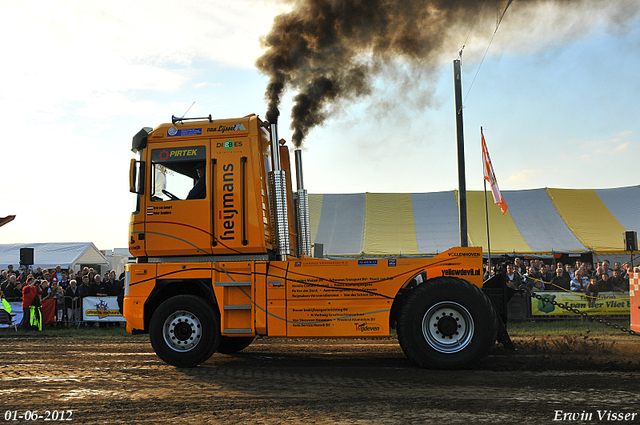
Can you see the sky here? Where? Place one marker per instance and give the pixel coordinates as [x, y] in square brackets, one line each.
[556, 95]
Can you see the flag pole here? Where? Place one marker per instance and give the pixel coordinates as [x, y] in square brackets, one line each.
[486, 211]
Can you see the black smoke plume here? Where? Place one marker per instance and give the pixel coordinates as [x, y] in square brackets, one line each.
[330, 51]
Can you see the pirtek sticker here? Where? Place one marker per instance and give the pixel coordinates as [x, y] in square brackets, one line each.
[182, 154]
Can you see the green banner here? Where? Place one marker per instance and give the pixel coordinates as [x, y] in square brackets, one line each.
[606, 303]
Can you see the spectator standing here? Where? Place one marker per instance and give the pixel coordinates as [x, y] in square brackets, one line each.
[84, 288]
[56, 275]
[568, 270]
[519, 266]
[45, 292]
[38, 273]
[592, 291]
[116, 288]
[98, 287]
[579, 282]
[60, 305]
[72, 303]
[605, 284]
[64, 282]
[12, 290]
[534, 279]
[4, 281]
[560, 280]
[618, 283]
[29, 295]
[513, 278]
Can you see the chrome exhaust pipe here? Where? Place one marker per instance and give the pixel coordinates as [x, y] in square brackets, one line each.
[304, 234]
[278, 188]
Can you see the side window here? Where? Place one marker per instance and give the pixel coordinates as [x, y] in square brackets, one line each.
[178, 174]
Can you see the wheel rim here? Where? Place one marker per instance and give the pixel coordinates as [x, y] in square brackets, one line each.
[182, 331]
[447, 327]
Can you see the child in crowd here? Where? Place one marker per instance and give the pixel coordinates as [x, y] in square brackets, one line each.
[592, 291]
[59, 296]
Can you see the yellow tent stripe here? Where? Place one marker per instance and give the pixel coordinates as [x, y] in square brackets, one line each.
[315, 209]
[594, 225]
[388, 225]
[505, 236]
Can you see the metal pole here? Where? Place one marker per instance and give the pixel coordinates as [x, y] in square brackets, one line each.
[486, 212]
[462, 186]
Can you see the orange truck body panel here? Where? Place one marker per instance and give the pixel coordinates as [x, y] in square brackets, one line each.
[211, 240]
[303, 297]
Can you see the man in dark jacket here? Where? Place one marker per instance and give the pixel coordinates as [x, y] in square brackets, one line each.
[560, 281]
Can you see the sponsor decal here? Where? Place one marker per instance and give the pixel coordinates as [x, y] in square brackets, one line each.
[366, 327]
[173, 132]
[224, 128]
[180, 154]
[392, 263]
[298, 264]
[228, 212]
[461, 272]
[275, 283]
[159, 210]
[367, 263]
[464, 254]
[229, 144]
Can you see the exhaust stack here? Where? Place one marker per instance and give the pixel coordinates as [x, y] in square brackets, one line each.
[304, 234]
[278, 187]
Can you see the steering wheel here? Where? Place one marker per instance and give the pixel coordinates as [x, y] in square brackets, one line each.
[170, 195]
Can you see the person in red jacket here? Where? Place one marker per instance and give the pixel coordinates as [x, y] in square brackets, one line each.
[29, 293]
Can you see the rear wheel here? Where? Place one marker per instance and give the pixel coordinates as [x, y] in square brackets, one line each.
[446, 323]
[230, 345]
[184, 331]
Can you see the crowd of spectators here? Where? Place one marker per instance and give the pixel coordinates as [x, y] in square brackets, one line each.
[580, 276]
[65, 286]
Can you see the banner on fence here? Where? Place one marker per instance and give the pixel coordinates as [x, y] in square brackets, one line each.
[101, 309]
[16, 311]
[634, 294]
[607, 303]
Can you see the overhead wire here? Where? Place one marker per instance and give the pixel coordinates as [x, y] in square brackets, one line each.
[499, 21]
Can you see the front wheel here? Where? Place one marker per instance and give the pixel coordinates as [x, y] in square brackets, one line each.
[184, 331]
[446, 323]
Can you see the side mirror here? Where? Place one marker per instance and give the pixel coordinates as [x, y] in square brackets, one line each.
[136, 177]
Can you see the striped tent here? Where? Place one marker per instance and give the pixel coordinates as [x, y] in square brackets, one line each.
[538, 221]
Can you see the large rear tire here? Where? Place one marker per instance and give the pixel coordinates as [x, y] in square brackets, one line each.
[231, 345]
[184, 331]
[446, 323]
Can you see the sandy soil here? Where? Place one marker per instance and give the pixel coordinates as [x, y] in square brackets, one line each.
[318, 381]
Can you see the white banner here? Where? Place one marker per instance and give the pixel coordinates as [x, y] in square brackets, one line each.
[16, 310]
[101, 309]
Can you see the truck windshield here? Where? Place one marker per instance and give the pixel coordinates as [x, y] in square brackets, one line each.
[176, 173]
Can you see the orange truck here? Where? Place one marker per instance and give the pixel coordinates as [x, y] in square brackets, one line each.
[223, 254]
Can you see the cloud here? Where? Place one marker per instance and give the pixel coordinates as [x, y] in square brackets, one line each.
[613, 146]
[524, 176]
[63, 53]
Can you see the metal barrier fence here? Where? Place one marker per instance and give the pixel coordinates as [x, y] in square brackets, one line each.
[73, 311]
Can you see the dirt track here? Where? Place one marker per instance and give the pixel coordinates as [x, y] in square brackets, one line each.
[317, 381]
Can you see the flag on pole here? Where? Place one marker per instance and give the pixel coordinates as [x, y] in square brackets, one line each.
[490, 176]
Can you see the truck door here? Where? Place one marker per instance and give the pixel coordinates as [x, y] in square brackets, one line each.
[178, 204]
